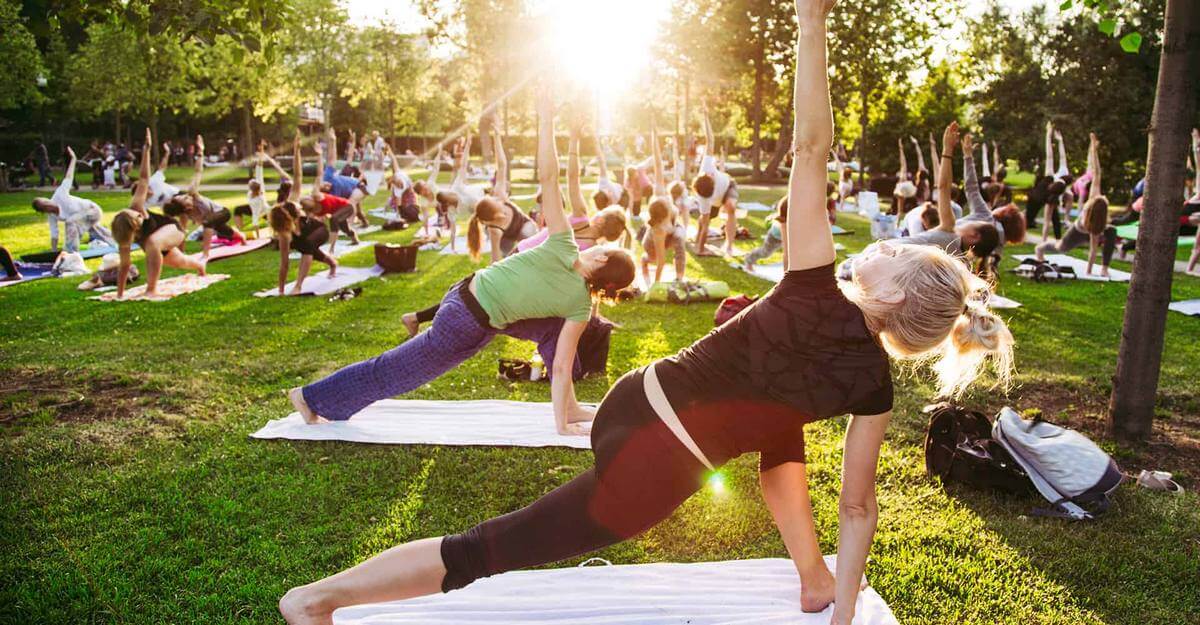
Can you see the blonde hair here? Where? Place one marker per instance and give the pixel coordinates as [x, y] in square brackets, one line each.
[943, 319]
[488, 209]
[125, 227]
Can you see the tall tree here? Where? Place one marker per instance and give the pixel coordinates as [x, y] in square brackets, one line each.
[874, 43]
[383, 66]
[20, 61]
[1135, 384]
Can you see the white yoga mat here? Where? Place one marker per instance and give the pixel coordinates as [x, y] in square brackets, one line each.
[167, 289]
[772, 271]
[741, 592]
[383, 212]
[343, 248]
[490, 422]
[1188, 307]
[756, 207]
[1080, 267]
[322, 284]
[460, 247]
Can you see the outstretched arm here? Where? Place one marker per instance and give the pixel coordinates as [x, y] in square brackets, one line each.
[995, 155]
[1196, 159]
[464, 157]
[987, 170]
[500, 190]
[316, 187]
[979, 206]
[165, 161]
[574, 189]
[298, 168]
[933, 158]
[143, 184]
[946, 175]
[332, 135]
[194, 185]
[903, 159]
[710, 145]
[920, 157]
[1063, 166]
[552, 202]
[1049, 169]
[1094, 165]
[808, 223]
[660, 181]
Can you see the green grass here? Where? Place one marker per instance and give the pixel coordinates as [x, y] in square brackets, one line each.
[170, 514]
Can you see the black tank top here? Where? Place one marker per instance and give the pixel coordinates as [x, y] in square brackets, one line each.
[800, 354]
[511, 235]
[151, 224]
[313, 234]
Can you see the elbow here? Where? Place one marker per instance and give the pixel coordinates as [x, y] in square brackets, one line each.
[858, 510]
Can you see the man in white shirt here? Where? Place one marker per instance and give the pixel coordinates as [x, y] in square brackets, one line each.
[717, 193]
[77, 214]
[160, 191]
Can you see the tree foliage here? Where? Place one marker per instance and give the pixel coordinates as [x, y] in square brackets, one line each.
[20, 60]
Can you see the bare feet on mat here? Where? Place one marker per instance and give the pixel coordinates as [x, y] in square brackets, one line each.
[410, 323]
[203, 271]
[296, 396]
[333, 267]
[299, 608]
[576, 429]
[11, 278]
[817, 590]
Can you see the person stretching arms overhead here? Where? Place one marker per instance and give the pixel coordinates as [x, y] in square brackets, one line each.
[160, 236]
[346, 187]
[77, 214]
[718, 194]
[305, 232]
[337, 211]
[664, 228]
[189, 204]
[808, 350]
[505, 224]
[1092, 226]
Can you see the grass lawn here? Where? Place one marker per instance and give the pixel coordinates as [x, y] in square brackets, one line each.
[134, 495]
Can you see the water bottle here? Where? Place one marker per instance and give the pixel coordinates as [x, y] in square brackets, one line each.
[535, 372]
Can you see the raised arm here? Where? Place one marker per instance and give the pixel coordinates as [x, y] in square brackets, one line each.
[946, 175]
[165, 161]
[574, 189]
[69, 176]
[552, 202]
[710, 145]
[979, 206]
[194, 185]
[500, 190]
[1063, 167]
[1049, 168]
[1196, 160]
[809, 235]
[603, 158]
[143, 184]
[298, 168]
[660, 181]
[987, 170]
[331, 134]
[1094, 164]
[920, 156]
[995, 156]
[460, 165]
[316, 186]
[933, 158]
[903, 159]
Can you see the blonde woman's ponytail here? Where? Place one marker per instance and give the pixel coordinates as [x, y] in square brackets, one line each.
[979, 335]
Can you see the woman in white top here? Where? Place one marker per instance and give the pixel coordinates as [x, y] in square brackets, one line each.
[718, 194]
[256, 206]
[608, 192]
[77, 214]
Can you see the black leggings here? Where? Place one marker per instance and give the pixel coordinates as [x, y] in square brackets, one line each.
[339, 220]
[642, 473]
[6, 260]
[427, 315]
[220, 224]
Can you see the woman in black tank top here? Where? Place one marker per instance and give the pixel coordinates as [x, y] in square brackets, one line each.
[159, 236]
[504, 223]
[302, 232]
[808, 350]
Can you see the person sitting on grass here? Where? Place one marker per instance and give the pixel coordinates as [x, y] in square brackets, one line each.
[808, 350]
[160, 236]
[305, 232]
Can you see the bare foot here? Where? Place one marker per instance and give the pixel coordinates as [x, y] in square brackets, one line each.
[301, 406]
[1104, 272]
[299, 608]
[817, 590]
[203, 271]
[1041, 256]
[411, 324]
[354, 237]
[12, 278]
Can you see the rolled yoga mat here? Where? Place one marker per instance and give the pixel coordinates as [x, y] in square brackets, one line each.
[741, 592]
[685, 292]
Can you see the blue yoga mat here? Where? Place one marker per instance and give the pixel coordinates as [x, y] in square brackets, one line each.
[91, 252]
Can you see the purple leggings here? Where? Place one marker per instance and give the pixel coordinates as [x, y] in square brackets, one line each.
[459, 331]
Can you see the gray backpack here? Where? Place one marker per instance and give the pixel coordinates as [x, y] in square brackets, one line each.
[1066, 467]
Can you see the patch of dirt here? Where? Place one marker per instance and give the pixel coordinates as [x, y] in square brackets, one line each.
[71, 397]
[1174, 444]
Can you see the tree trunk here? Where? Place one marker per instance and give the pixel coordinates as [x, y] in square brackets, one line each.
[782, 145]
[246, 141]
[863, 120]
[1135, 384]
[756, 149]
[117, 132]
